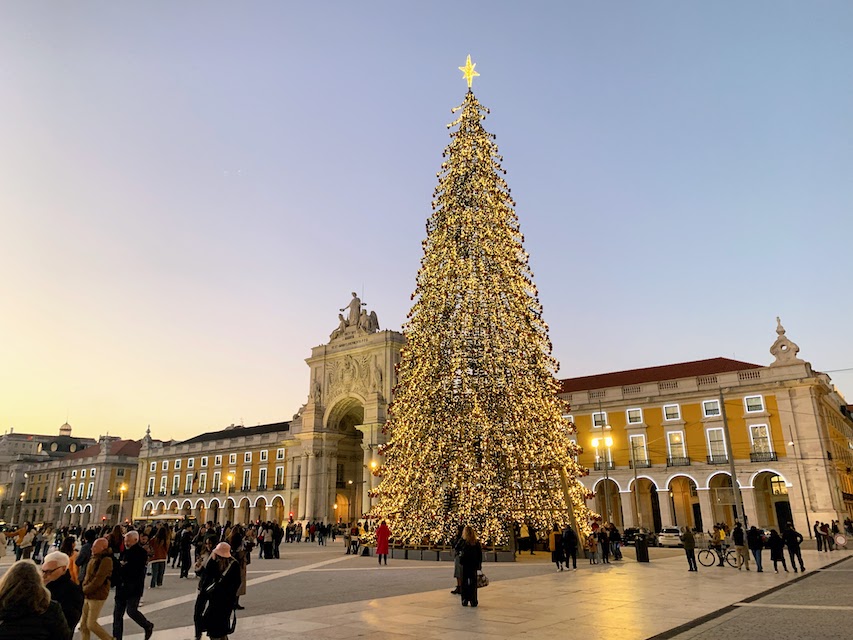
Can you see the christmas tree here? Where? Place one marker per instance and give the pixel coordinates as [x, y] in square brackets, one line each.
[476, 431]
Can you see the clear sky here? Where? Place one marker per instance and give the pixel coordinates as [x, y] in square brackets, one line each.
[190, 190]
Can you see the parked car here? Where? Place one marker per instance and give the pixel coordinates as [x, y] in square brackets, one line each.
[630, 534]
[669, 537]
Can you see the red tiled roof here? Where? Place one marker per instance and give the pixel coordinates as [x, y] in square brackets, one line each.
[654, 374]
[128, 448]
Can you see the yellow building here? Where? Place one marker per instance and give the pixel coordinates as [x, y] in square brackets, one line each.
[660, 442]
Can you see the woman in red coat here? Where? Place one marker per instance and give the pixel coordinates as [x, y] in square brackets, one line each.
[382, 535]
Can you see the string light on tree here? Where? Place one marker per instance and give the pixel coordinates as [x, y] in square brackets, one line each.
[476, 431]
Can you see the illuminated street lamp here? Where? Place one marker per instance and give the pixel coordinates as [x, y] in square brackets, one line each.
[608, 442]
[228, 480]
[121, 491]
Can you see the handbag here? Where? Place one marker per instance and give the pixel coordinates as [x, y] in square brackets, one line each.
[482, 580]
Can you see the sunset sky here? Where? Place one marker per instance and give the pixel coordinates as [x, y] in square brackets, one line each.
[190, 191]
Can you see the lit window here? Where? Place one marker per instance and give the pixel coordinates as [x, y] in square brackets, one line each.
[778, 486]
[754, 403]
[638, 447]
[232, 458]
[675, 442]
[217, 461]
[599, 420]
[635, 416]
[760, 435]
[671, 412]
[711, 408]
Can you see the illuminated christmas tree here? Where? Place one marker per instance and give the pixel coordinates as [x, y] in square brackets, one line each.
[476, 431]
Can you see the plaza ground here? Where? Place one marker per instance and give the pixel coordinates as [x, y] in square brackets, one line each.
[323, 593]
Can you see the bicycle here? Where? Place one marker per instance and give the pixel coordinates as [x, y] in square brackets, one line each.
[708, 557]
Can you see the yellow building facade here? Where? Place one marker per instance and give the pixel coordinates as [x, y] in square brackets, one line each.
[660, 443]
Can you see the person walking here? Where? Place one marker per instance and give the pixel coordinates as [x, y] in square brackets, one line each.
[524, 538]
[221, 577]
[26, 609]
[793, 539]
[383, 535]
[200, 567]
[26, 543]
[96, 588]
[592, 548]
[777, 550]
[689, 543]
[472, 563]
[818, 536]
[604, 545]
[185, 545]
[739, 540]
[755, 543]
[615, 542]
[68, 548]
[63, 589]
[131, 586]
[570, 546]
[160, 554]
[85, 554]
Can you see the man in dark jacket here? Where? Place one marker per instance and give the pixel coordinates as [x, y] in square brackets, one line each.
[186, 545]
[793, 539]
[85, 554]
[69, 595]
[739, 538]
[131, 586]
[570, 546]
[755, 542]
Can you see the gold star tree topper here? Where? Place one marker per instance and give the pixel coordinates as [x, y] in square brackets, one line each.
[468, 71]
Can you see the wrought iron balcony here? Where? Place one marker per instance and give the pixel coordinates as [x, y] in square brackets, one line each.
[640, 464]
[678, 461]
[246, 487]
[188, 492]
[148, 494]
[175, 492]
[763, 456]
[162, 492]
[718, 459]
[295, 485]
[600, 466]
[278, 487]
[215, 490]
[262, 487]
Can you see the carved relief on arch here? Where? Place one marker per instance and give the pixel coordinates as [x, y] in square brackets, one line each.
[346, 375]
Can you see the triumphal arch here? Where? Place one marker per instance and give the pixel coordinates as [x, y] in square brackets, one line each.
[336, 433]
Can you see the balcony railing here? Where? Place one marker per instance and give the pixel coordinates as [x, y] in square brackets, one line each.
[148, 494]
[175, 492]
[188, 492]
[678, 461]
[215, 490]
[640, 464]
[262, 487]
[278, 487]
[162, 492]
[295, 485]
[599, 466]
[246, 487]
[763, 456]
[718, 459]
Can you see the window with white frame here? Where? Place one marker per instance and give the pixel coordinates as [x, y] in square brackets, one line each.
[675, 444]
[71, 491]
[232, 458]
[262, 478]
[754, 404]
[760, 436]
[279, 476]
[177, 464]
[716, 443]
[279, 454]
[176, 483]
[217, 461]
[264, 455]
[165, 465]
[247, 457]
[90, 491]
[569, 418]
[599, 420]
[163, 481]
[188, 483]
[638, 447]
[92, 473]
[671, 412]
[119, 473]
[710, 408]
[217, 481]
[247, 478]
[190, 463]
[635, 415]
[152, 466]
[82, 473]
[204, 461]
[202, 482]
[150, 486]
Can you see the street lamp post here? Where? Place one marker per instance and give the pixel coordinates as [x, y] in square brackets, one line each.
[121, 491]
[228, 480]
[608, 442]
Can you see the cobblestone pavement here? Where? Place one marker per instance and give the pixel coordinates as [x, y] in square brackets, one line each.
[323, 593]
